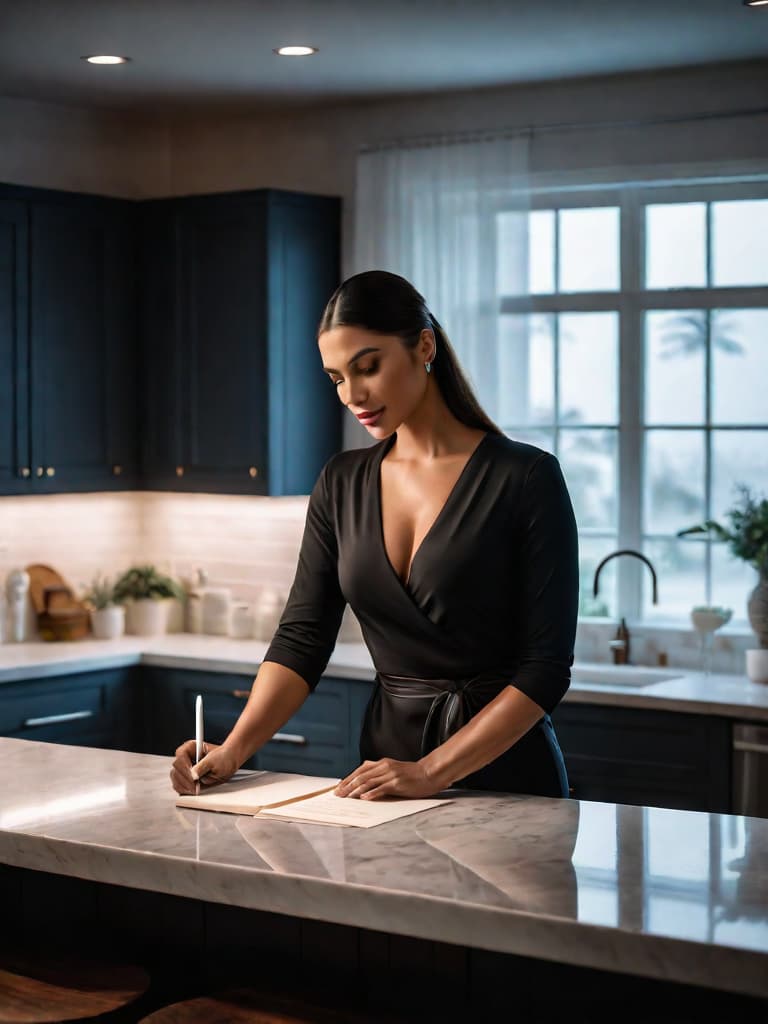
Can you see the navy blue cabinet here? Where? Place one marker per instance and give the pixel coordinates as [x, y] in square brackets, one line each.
[166, 344]
[67, 330]
[233, 287]
[14, 365]
[320, 739]
[93, 709]
[646, 757]
[619, 755]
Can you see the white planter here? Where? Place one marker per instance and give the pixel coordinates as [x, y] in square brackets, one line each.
[757, 664]
[108, 623]
[146, 617]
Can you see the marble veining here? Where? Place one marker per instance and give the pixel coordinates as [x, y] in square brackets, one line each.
[728, 695]
[667, 894]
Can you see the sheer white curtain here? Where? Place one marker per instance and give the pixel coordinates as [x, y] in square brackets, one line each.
[432, 212]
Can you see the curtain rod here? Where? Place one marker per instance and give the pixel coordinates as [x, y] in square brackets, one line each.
[518, 131]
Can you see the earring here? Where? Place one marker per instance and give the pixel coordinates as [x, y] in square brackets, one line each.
[428, 367]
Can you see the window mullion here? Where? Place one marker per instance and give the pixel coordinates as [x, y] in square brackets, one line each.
[630, 441]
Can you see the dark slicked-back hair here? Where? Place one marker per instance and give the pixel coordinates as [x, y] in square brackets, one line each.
[388, 304]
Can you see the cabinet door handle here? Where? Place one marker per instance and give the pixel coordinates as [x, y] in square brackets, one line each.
[179, 471]
[241, 694]
[50, 471]
[71, 716]
[290, 737]
[39, 471]
[25, 470]
[117, 470]
[253, 472]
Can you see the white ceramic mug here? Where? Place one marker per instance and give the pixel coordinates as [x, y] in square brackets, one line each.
[757, 664]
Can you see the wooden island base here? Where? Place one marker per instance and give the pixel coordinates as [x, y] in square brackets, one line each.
[193, 948]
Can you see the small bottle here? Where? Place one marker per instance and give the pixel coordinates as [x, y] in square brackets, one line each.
[17, 590]
[195, 603]
[620, 644]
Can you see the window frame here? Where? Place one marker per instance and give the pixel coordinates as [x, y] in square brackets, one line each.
[631, 301]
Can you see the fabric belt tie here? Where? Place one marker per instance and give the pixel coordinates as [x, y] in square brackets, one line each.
[454, 701]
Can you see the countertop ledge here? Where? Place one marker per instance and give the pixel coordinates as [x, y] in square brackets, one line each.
[731, 696]
[514, 874]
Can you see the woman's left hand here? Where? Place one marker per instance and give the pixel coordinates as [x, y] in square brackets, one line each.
[388, 777]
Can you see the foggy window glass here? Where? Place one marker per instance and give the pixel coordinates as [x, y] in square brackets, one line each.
[589, 368]
[740, 242]
[676, 245]
[740, 366]
[675, 361]
[589, 250]
[526, 370]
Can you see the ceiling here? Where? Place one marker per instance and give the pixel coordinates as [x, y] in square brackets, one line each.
[188, 53]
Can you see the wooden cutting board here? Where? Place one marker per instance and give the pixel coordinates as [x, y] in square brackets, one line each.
[40, 577]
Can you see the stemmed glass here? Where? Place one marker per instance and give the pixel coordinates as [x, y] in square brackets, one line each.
[707, 619]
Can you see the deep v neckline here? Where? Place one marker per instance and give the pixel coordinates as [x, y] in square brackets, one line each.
[440, 515]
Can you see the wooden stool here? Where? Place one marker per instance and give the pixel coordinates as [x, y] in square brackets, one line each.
[39, 987]
[248, 1006]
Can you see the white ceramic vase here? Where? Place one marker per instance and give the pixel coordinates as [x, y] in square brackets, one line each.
[108, 623]
[757, 664]
[146, 616]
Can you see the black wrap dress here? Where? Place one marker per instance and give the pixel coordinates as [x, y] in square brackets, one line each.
[491, 600]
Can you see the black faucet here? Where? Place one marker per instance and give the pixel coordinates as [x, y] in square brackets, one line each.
[620, 647]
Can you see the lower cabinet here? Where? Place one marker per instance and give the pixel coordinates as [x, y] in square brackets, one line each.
[89, 709]
[614, 754]
[320, 739]
[650, 758]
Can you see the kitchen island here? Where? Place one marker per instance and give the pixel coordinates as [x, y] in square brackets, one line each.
[499, 889]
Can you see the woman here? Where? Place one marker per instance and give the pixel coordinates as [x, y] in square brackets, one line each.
[455, 547]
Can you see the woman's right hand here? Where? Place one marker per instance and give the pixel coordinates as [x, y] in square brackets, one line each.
[216, 766]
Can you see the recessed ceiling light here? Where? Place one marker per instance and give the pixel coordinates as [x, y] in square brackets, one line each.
[756, 3]
[104, 58]
[295, 51]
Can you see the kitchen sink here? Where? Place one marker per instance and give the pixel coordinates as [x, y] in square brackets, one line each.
[620, 675]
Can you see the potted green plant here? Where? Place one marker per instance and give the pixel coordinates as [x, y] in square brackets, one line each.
[147, 593]
[747, 538]
[107, 614]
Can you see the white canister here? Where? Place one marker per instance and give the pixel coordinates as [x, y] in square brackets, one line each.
[269, 609]
[757, 664]
[243, 622]
[217, 603]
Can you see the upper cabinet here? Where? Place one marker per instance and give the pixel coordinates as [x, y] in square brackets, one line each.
[233, 286]
[68, 392]
[168, 344]
[14, 436]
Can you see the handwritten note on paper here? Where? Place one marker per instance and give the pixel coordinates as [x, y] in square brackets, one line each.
[328, 809]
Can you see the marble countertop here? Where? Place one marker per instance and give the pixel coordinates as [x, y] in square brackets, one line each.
[732, 696]
[667, 894]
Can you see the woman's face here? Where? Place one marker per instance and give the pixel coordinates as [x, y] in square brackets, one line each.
[376, 377]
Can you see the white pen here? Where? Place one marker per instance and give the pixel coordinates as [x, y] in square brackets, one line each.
[198, 733]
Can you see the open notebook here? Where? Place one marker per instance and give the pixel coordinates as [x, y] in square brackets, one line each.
[300, 798]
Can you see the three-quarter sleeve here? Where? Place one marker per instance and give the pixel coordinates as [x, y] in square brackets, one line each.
[308, 628]
[550, 595]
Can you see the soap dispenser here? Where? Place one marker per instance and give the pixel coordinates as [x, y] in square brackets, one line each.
[620, 644]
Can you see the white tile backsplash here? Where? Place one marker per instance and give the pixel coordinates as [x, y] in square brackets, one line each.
[244, 543]
[247, 543]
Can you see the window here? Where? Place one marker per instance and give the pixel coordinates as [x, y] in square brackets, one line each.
[639, 356]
